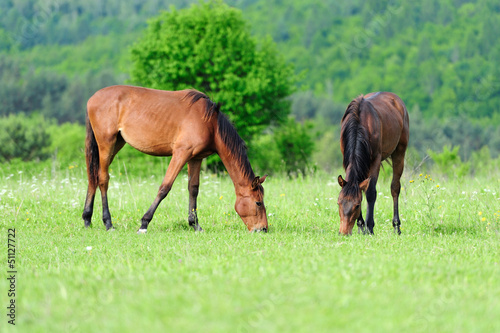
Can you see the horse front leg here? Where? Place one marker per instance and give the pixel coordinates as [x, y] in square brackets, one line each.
[371, 197]
[371, 194]
[194, 167]
[361, 224]
[179, 159]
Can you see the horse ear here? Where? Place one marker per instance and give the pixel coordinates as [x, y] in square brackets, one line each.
[257, 181]
[342, 182]
[364, 184]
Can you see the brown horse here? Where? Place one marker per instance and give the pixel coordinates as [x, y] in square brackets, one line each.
[186, 125]
[374, 128]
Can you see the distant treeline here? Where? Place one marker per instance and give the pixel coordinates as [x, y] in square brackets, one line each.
[441, 57]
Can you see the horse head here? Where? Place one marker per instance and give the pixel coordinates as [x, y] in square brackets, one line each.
[349, 202]
[250, 206]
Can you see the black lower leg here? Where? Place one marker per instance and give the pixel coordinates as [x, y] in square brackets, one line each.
[193, 216]
[106, 215]
[146, 219]
[371, 196]
[396, 223]
[397, 226]
[88, 209]
[395, 190]
[361, 224]
[87, 214]
[148, 216]
[193, 221]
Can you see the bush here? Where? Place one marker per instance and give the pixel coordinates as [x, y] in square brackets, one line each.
[23, 137]
[449, 163]
[295, 145]
[265, 155]
[68, 143]
[481, 162]
[327, 154]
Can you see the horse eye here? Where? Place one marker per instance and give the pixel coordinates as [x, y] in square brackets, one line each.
[258, 203]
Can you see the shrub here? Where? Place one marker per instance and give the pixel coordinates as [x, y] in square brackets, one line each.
[24, 137]
[449, 163]
[295, 145]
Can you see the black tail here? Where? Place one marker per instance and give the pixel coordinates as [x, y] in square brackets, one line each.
[92, 156]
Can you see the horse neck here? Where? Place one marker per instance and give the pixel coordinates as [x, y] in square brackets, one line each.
[241, 180]
[351, 175]
[356, 149]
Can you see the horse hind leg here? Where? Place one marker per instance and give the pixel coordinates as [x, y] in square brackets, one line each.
[194, 167]
[397, 170]
[89, 204]
[92, 161]
[106, 155]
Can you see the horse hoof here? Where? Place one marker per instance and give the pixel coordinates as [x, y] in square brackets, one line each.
[141, 231]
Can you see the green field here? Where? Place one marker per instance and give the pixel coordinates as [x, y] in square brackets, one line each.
[442, 274]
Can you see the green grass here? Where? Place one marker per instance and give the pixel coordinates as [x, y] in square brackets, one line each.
[442, 274]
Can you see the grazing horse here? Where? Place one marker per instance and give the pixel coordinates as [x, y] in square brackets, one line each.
[374, 127]
[186, 125]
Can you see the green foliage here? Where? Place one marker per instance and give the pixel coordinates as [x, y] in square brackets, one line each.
[52, 94]
[327, 154]
[448, 162]
[24, 138]
[295, 146]
[441, 57]
[68, 144]
[209, 47]
[265, 155]
[482, 163]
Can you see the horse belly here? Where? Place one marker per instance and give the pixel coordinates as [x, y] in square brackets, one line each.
[149, 142]
[391, 135]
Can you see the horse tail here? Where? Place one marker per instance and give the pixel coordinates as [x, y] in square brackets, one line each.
[91, 155]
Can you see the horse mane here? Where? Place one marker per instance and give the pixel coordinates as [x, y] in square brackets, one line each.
[226, 131]
[211, 108]
[355, 143]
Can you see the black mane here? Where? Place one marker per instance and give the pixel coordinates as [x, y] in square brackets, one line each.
[210, 109]
[355, 143]
[235, 144]
[226, 131]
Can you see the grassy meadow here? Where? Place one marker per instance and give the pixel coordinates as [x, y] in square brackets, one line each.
[442, 274]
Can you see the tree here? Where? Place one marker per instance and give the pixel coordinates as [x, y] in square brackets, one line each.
[209, 47]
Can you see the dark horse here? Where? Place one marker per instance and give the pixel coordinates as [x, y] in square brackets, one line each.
[186, 125]
[374, 128]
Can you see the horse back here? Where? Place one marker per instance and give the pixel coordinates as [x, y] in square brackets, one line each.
[156, 122]
[389, 124]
